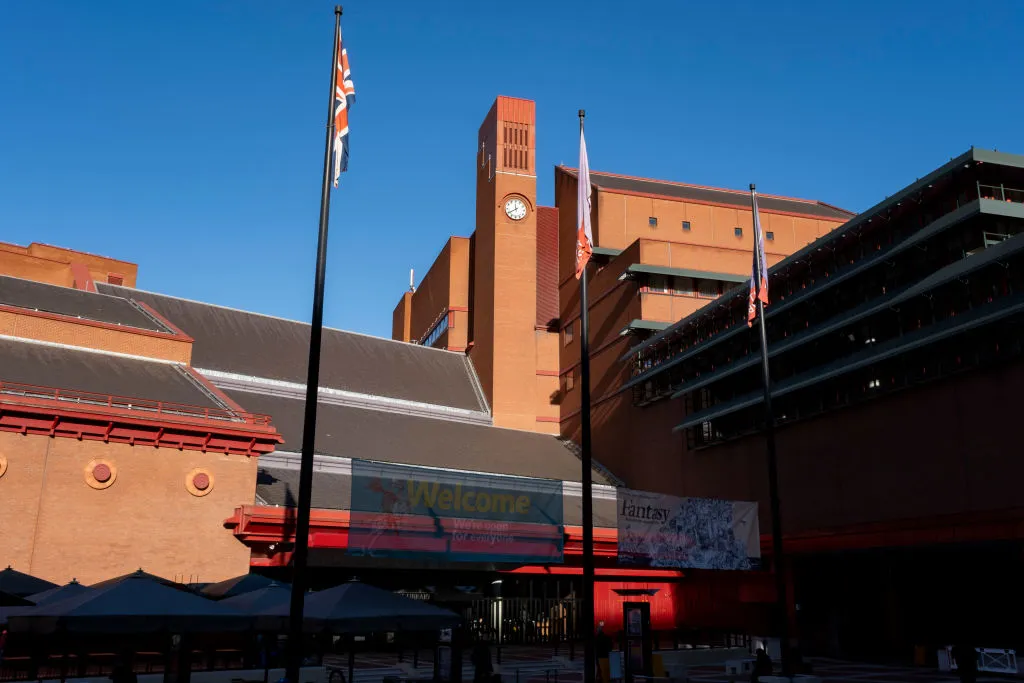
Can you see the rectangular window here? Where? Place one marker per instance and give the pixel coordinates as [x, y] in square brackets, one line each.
[770, 236]
[738, 232]
[567, 334]
[686, 226]
[657, 283]
[652, 221]
[438, 330]
[708, 289]
[115, 278]
[570, 380]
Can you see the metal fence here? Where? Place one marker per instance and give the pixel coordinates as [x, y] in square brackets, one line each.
[525, 621]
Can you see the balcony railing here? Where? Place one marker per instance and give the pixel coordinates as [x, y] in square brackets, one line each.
[168, 408]
[1000, 193]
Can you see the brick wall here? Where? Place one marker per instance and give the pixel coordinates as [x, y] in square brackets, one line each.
[46, 263]
[86, 334]
[147, 518]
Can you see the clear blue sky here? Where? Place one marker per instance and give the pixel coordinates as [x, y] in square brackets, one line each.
[188, 136]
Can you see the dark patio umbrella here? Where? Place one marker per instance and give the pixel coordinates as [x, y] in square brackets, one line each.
[137, 574]
[239, 585]
[12, 600]
[21, 584]
[132, 605]
[352, 607]
[269, 606]
[64, 592]
[6, 612]
[356, 607]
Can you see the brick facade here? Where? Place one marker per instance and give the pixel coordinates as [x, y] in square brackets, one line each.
[147, 518]
[521, 277]
[57, 329]
[53, 265]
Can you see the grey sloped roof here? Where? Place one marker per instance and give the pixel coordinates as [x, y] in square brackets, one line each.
[66, 368]
[76, 303]
[713, 195]
[255, 345]
[394, 437]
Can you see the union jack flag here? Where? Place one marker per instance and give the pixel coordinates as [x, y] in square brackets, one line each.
[759, 276]
[344, 98]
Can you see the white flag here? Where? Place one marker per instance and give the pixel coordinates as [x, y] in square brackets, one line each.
[584, 238]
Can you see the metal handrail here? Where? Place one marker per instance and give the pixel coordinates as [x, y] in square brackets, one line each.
[32, 391]
[1000, 193]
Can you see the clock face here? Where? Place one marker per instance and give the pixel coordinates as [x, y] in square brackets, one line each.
[515, 209]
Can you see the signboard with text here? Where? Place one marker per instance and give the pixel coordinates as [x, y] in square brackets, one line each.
[409, 511]
[656, 530]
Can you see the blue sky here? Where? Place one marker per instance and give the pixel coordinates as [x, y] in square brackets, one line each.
[188, 136]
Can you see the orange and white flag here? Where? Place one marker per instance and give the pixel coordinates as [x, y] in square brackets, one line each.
[584, 238]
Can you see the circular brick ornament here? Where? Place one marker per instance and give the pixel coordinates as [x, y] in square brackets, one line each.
[3, 464]
[199, 482]
[100, 474]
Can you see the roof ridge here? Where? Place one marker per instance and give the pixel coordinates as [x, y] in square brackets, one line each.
[87, 349]
[577, 451]
[427, 417]
[186, 372]
[53, 286]
[273, 317]
[711, 188]
[263, 386]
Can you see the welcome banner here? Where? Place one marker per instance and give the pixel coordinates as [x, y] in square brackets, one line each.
[409, 511]
[656, 530]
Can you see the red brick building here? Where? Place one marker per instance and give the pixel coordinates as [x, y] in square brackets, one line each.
[138, 429]
[166, 432]
[895, 349]
[507, 294]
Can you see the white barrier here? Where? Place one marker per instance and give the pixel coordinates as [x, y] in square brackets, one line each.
[990, 660]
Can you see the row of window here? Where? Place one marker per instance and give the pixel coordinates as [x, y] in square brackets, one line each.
[668, 284]
[440, 328]
[977, 348]
[896, 320]
[685, 286]
[738, 231]
[850, 250]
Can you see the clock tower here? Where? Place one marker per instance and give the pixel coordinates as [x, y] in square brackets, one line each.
[505, 263]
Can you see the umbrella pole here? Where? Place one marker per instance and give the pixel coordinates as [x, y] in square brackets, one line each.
[265, 648]
[351, 659]
[185, 660]
[168, 657]
[64, 659]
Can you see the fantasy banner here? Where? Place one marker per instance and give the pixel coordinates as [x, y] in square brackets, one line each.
[408, 511]
[656, 530]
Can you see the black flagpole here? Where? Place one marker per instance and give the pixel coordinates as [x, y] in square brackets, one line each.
[589, 658]
[301, 555]
[782, 607]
